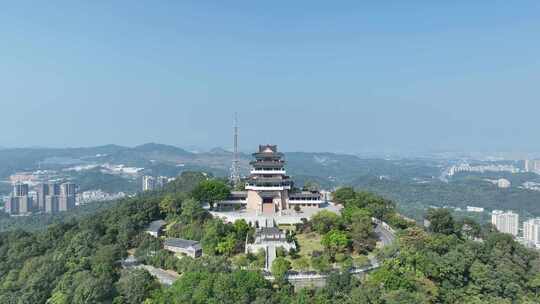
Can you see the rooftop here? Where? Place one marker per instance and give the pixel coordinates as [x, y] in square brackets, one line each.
[181, 243]
[268, 151]
[156, 225]
[267, 148]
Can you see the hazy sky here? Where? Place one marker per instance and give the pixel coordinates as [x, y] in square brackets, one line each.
[313, 76]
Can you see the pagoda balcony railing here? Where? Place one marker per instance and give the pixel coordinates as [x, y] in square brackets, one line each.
[274, 155]
[268, 188]
[263, 183]
[300, 202]
[266, 171]
[267, 163]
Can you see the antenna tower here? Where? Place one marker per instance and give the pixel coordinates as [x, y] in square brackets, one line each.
[235, 168]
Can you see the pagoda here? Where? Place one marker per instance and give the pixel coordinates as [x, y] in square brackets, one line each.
[268, 189]
[268, 185]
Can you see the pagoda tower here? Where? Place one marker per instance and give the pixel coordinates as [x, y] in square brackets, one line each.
[268, 185]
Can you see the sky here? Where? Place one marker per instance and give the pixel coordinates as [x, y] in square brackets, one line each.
[338, 76]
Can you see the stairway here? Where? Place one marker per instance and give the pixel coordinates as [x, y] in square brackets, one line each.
[270, 256]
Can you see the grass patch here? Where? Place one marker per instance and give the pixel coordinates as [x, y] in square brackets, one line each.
[361, 260]
[309, 242]
[287, 227]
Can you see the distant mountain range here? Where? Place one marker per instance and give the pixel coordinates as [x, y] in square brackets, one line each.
[327, 168]
[413, 181]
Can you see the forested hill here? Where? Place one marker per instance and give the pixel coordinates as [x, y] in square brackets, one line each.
[77, 261]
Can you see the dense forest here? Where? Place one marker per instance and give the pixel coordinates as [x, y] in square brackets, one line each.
[414, 197]
[77, 260]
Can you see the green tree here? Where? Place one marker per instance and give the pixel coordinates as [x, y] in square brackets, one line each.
[134, 286]
[325, 221]
[469, 228]
[89, 289]
[240, 261]
[335, 241]
[226, 246]
[192, 212]
[441, 221]
[280, 267]
[241, 229]
[302, 263]
[210, 191]
[361, 232]
[186, 182]
[171, 204]
[321, 263]
[343, 194]
[104, 259]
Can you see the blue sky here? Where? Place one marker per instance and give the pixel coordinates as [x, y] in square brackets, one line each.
[347, 76]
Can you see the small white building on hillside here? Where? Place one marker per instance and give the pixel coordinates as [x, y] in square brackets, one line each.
[187, 247]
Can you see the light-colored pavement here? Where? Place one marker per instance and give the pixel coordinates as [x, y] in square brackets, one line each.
[385, 236]
[285, 217]
[166, 277]
[270, 256]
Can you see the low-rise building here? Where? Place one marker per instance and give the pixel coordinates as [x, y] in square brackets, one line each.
[187, 247]
[475, 209]
[305, 199]
[155, 228]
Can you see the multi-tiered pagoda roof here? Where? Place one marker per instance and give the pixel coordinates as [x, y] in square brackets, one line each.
[268, 169]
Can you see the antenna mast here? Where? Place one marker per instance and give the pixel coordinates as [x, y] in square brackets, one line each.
[235, 168]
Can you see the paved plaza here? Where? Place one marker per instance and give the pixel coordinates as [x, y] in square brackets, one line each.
[283, 217]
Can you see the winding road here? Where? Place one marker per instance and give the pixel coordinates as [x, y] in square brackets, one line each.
[385, 235]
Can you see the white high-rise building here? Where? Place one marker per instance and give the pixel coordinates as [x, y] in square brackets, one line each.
[161, 182]
[532, 165]
[505, 222]
[148, 183]
[531, 230]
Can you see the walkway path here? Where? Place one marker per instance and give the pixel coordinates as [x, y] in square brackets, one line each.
[270, 256]
[165, 277]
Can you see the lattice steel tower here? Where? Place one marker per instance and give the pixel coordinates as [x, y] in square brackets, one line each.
[235, 167]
